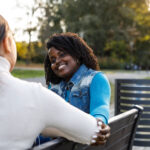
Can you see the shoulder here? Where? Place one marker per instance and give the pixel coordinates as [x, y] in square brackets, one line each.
[30, 93]
[96, 75]
[27, 83]
[88, 77]
[100, 76]
[100, 79]
[26, 86]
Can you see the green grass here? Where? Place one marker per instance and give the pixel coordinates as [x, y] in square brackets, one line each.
[27, 73]
[112, 93]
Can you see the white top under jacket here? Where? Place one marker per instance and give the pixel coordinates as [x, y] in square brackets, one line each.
[27, 108]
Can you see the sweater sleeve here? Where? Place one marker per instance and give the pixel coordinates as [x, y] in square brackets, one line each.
[100, 97]
[68, 121]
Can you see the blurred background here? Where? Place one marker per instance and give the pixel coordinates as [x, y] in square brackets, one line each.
[117, 30]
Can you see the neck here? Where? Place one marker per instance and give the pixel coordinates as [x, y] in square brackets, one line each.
[4, 64]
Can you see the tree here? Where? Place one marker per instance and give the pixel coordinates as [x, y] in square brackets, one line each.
[97, 21]
[31, 27]
[51, 21]
[109, 27]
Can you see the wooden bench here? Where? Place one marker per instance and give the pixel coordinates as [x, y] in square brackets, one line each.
[123, 128]
[131, 92]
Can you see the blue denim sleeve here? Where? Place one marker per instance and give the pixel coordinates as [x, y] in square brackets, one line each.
[100, 97]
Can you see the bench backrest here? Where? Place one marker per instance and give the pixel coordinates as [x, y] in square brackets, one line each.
[123, 128]
[131, 92]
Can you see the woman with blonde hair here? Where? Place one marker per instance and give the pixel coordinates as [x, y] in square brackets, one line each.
[27, 108]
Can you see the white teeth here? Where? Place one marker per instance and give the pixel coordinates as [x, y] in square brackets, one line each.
[60, 67]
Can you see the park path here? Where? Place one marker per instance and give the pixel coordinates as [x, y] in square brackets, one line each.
[111, 77]
[127, 75]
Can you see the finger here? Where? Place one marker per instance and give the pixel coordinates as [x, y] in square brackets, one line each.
[103, 136]
[107, 135]
[105, 127]
[99, 136]
[99, 143]
[105, 130]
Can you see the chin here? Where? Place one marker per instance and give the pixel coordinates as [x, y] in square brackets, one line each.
[12, 67]
[63, 75]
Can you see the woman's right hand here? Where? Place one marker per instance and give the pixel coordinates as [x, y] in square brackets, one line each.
[101, 137]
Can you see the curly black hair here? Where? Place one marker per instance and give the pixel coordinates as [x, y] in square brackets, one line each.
[74, 46]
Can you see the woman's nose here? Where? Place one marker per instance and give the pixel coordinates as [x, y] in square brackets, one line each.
[58, 60]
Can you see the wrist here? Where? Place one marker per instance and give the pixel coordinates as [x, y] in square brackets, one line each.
[95, 136]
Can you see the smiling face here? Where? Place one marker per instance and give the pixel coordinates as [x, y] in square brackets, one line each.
[62, 64]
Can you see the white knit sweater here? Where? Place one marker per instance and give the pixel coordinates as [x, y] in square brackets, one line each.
[27, 108]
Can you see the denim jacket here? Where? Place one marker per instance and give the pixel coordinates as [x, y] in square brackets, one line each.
[78, 87]
[78, 92]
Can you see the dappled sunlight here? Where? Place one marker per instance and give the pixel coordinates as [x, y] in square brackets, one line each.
[148, 4]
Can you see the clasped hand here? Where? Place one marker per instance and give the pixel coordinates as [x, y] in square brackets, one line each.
[102, 136]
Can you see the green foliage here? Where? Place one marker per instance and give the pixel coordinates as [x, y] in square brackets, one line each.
[142, 55]
[50, 23]
[142, 15]
[112, 98]
[27, 73]
[113, 28]
[36, 53]
[22, 49]
[110, 63]
[39, 52]
[117, 49]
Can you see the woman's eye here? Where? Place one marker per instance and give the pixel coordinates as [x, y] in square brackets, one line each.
[53, 61]
[62, 55]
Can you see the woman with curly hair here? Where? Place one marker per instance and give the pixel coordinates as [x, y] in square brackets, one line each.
[71, 71]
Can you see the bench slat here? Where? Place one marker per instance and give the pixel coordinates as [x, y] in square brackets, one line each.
[134, 88]
[130, 92]
[138, 95]
[142, 136]
[146, 109]
[133, 81]
[141, 143]
[131, 101]
[143, 129]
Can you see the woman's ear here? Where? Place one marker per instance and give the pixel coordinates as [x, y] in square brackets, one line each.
[7, 44]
